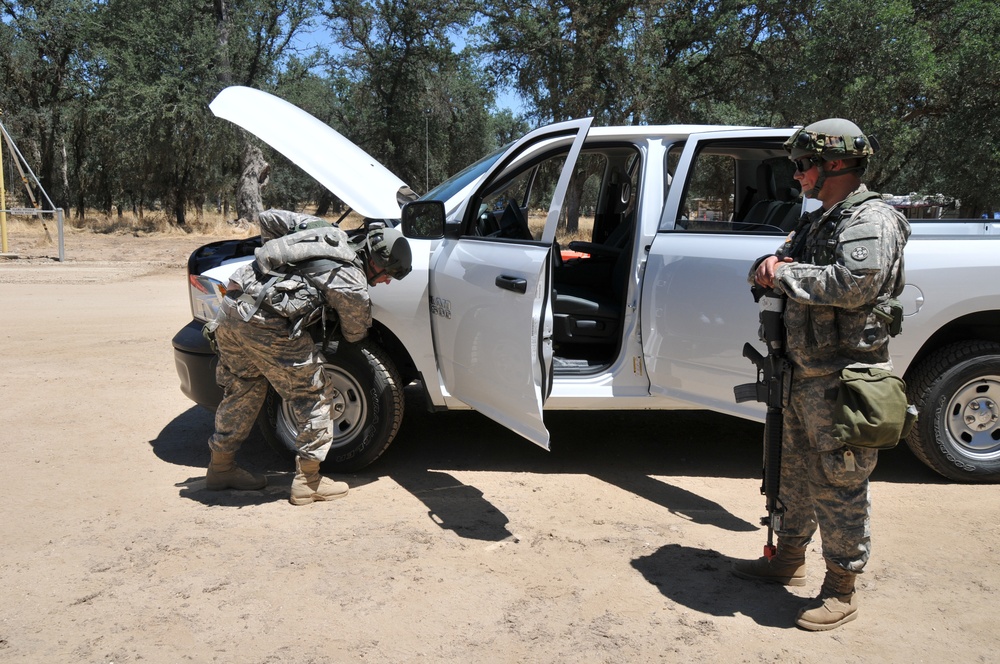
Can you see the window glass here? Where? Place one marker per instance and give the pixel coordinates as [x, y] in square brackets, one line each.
[708, 204]
[515, 207]
[744, 187]
[455, 183]
[601, 196]
[576, 219]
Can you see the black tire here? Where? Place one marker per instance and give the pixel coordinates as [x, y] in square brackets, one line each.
[957, 390]
[368, 408]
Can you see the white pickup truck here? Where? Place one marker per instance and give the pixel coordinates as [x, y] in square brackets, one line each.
[647, 309]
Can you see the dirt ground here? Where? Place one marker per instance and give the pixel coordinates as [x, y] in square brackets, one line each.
[464, 543]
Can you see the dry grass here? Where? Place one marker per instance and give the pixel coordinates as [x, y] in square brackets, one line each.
[128, 224]
[98, 237]
[209, 224]
[584, 232]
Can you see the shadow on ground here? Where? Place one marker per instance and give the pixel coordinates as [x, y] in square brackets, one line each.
[700, 580]
[184, 441]
[637, 451]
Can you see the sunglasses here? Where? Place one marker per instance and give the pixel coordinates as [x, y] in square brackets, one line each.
[803, 165]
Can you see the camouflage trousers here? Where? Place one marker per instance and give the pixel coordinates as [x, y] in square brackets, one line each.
[252, 355]
[824, 483]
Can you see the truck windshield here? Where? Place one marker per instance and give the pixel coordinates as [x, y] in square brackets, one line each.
[457, 182]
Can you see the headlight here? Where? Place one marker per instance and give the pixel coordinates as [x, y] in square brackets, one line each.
[206, 296]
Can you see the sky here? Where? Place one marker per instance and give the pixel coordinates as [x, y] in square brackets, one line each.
[320, 36]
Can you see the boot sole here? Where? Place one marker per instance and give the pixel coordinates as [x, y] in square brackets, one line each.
[781, 580]
[315, 498]
[817, 627]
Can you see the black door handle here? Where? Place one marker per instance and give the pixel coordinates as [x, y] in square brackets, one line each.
[515, 284]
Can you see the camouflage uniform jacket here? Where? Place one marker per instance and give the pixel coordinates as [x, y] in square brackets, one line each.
[343, 287]
[847, 264]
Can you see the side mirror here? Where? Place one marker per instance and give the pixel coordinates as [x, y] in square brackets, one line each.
[423, 220]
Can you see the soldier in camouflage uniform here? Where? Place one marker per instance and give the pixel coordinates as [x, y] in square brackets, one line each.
[303, 266]
[841, 263]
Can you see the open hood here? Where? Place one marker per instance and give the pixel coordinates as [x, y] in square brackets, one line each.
[353, 175]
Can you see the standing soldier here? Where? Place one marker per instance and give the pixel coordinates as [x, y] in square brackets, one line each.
[837, 272]
[304, 266]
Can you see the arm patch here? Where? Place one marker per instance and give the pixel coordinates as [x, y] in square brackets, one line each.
[860, 248]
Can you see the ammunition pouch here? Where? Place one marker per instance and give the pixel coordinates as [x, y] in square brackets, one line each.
[208, 331]
[871, 409]
[891, 311]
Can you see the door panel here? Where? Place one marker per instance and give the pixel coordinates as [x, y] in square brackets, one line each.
[697, 312]
[491, 311]
[495, 330]
[697, 309]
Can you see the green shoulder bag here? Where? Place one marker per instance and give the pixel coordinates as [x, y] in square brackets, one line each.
[871, 409]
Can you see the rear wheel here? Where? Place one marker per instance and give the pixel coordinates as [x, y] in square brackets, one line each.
[957, 391]
[367, 407]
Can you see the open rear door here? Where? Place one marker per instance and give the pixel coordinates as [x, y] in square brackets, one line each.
[696, 307]
[491, 297]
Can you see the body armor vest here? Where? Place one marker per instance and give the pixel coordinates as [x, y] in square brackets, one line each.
[817, 245]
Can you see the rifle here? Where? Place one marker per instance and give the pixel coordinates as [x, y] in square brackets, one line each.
[774, 375]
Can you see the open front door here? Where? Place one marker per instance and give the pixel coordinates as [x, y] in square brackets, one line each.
[491, 288]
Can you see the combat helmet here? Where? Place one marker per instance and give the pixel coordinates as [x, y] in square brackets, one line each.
[834, 138]
[828, 140]
[388, 250]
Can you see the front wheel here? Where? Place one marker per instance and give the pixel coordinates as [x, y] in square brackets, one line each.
[957, 391]
[367, 407]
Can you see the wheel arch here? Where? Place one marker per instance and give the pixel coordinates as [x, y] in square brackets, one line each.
[981, 325]
[396, 350]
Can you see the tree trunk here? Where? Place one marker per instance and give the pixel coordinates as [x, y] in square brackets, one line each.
[571, 205]
[179, 208]
[324, 203]
[222, 42]
[64, 170]
[253, 178]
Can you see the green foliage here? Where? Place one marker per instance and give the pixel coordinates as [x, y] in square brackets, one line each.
[405, 88]
[44, 66]
[567, 59]
[954, 123]
[108, 99]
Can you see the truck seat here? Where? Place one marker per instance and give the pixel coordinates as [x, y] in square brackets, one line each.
[591, 314]
[779, 207]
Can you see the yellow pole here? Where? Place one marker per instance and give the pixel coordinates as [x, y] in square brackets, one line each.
[3, 206]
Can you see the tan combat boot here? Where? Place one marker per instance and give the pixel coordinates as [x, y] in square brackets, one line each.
[309, 486]
[223, 473]
[787, 567]
[836, 604]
